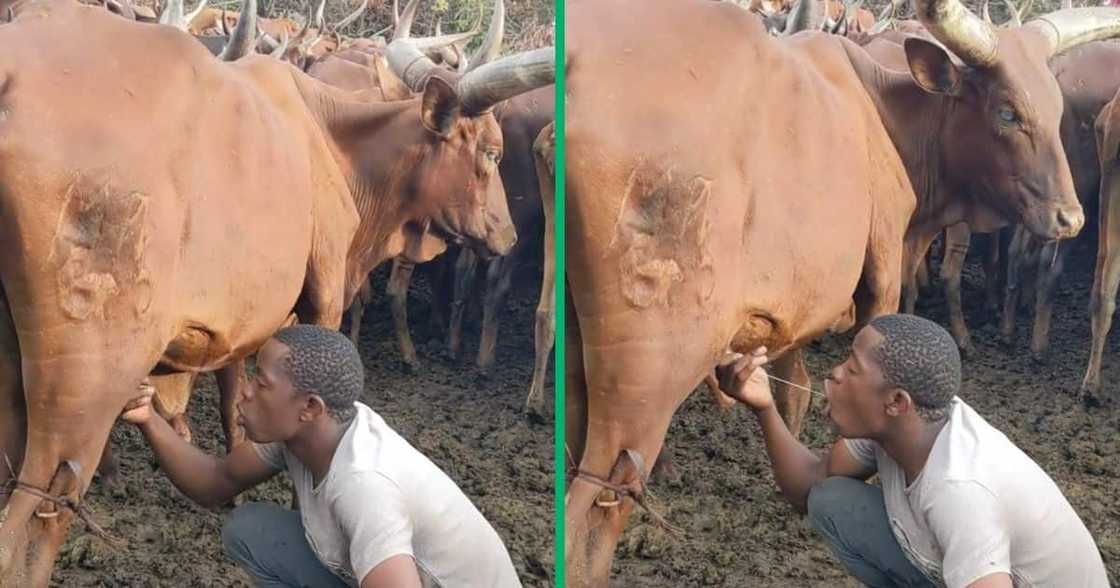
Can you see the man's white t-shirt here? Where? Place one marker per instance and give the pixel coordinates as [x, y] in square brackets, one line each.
[382, 498]
[982, 506]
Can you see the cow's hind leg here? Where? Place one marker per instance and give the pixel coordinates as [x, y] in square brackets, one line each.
[1106, 279]
[545, 328]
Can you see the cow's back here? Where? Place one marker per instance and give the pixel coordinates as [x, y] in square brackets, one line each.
[147, 181]
[703, 194]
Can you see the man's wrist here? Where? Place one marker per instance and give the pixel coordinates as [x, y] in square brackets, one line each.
[761, 412]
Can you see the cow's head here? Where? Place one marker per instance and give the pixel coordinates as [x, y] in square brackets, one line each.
[455, 184]
[1000, 142]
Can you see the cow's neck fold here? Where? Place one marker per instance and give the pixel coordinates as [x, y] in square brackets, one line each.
[378, 145]
[915, 121]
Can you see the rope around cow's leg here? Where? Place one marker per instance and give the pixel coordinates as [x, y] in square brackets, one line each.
[80, 509]
[638, 493]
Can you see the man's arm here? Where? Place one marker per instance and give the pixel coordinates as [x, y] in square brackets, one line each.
[398, 571]
[204, 478]
[796, 469]
[997, 580]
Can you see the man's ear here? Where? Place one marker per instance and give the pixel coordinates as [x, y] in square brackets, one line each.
[899, 402]
[313, 406]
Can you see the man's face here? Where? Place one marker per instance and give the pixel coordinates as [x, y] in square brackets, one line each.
[856, 391]
[269, 406]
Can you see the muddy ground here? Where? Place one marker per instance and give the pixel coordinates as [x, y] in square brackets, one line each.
[468, 425]
[740, 532]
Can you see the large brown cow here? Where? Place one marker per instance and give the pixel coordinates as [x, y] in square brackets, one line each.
[1106, 276]
[1088, 77]
[178, 228]
[685, 237]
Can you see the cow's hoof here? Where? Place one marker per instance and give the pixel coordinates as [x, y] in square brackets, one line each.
[410, 367]
[1089, 395]
[967, 350]
[534, 414]
[1040, 357]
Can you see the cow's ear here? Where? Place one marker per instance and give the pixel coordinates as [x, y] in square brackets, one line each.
[932, 67]
[392, 88]
[440, 107]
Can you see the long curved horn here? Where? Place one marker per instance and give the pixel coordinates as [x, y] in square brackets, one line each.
[404, 24]
[197, 11]
[1014, 20]
[491, 45]
[985, 12]
[963, 33]
[123, 7]
[225, 27]
[1068, 28]
[306, 26]
[800, 17]
[505, 78]
[241, 41]
[319, 14]
[1025, 9]
[278, 52]
[173, 14]
[353, 16]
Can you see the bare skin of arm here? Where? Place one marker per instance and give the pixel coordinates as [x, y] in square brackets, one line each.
[998, 580]
[398, 571]
[796, 468]
[205, 479]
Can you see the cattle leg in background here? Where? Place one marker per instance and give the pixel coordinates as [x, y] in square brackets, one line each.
[172, 397]
[792, 402]
[575, 387]
[399, 280]
[544, 332]
[993, 270]
[230, 380]
[499, 279]
[1106, 276]
[1051, 262]
[465, 267]
[1016, 262]
[957, 238]
[358, 307]
[13, 411]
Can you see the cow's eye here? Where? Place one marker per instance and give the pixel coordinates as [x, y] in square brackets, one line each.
[494, 155]
[1007, 115]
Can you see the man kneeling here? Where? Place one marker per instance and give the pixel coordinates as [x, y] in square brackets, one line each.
[960, 505]
[374, 512]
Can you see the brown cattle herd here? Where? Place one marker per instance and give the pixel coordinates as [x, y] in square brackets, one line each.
[176, 187]
[767, 174]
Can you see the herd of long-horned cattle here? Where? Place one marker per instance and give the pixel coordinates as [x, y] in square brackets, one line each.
[802, 198]
[175, 188]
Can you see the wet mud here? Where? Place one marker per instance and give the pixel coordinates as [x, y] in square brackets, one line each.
[468, 424]
[738, 531]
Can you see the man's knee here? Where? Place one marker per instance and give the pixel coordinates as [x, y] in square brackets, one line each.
[830, 497]
[243, 523]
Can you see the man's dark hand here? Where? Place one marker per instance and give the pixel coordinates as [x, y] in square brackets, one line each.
[742, 378]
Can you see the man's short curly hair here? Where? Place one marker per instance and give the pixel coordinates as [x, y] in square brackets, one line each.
[325, 363]
[919, 356]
